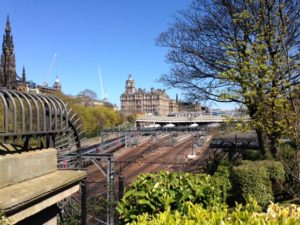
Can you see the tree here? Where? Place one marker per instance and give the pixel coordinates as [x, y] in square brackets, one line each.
[242, 51]
[87, 96]
[94, 118]
[131, 118]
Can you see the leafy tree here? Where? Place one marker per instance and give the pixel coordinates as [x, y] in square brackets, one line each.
[242, 51]
[131, 118]
[95, 118]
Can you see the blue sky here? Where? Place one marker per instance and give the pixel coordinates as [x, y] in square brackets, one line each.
[117, 35]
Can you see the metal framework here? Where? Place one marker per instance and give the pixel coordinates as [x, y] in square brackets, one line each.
[100, 161]
[44, 118]
[97, 160]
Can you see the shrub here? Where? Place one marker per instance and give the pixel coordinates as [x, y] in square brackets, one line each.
[3, 219]
[252, 155]
[222, 179]
[275, 169]
[288, 156]
[196, 214]
[257, 178]
[155, 192]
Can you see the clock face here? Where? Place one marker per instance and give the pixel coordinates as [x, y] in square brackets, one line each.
[129, 84]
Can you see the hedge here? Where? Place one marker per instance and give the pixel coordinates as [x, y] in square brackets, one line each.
[256, 178]
[252, 155]
[222, 179]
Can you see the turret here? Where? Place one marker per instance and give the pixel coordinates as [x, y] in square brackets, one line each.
[130, 86]
[57, 84]
[23, 80]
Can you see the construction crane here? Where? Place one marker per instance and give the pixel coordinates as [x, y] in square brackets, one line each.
[104, 95]
[49, 70]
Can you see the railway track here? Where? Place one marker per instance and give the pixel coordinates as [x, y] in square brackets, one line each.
[148, 157]
[163, 157]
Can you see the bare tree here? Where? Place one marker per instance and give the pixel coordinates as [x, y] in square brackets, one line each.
[243, 51]
[88, 96]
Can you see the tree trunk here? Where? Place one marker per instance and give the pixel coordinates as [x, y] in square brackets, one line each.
[273, 147]
[261, 143]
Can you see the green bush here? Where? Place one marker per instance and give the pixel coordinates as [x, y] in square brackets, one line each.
[275, 170]
[222, 179]
[256, 178]
[288, 156]
[242, 215]
[252, 155]
[155, 192]
[4, 220]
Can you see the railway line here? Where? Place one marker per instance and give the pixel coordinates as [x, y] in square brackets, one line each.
[153, 153]
[170, 158]
[151, 156]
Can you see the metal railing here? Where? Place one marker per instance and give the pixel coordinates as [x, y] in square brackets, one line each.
[43, 119]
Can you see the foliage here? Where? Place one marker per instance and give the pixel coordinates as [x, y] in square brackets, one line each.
[4, 220]
[252, 155]
[239, 51]
[71, 214]
[288, 157]
[248, 214]
[256, 178]
[156, 192]
[222, 179]
[97, 205]
[95, 118]
[131, 118]
[97, 208]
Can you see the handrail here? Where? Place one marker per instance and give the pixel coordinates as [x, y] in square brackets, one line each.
[36, 116]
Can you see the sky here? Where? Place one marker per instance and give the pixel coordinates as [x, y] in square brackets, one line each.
[73, 38]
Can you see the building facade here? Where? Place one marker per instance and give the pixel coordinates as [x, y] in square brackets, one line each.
[173, 106]
[154, 102]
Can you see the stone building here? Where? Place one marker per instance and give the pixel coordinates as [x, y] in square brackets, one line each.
[173, 106]
[154, 102]
[187, 106]
[45, 89]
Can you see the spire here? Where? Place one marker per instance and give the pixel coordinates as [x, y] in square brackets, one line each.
[23, 75]
[7, 37]
[7, 28]
[8, 63]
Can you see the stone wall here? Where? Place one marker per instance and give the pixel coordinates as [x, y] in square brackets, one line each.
[18, 167]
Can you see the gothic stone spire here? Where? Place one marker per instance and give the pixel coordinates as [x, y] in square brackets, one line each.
[23, 80]
[8, 73]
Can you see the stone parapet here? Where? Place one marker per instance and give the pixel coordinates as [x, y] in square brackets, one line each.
[18, 167]
[20, 194]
